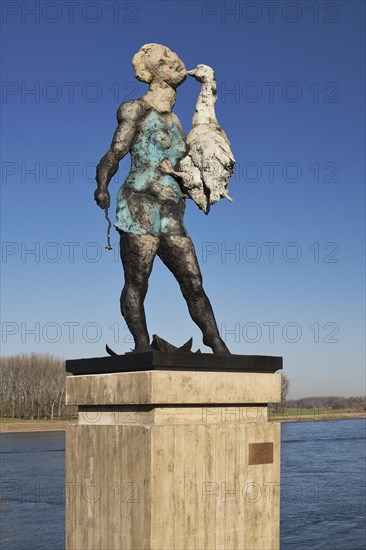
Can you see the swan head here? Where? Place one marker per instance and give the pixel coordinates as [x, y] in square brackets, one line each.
[202, 73]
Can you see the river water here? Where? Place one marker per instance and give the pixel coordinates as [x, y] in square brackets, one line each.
[323, 484]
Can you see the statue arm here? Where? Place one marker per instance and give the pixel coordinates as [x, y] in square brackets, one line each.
[127, 117]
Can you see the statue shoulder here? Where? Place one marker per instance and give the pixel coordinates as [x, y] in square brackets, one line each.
[131, 110]
[176, 119]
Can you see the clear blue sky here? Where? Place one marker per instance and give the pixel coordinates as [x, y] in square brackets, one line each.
[291, 99]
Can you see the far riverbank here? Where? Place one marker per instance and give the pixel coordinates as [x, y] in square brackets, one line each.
[313, 415]
[16, 425]
[10, 425]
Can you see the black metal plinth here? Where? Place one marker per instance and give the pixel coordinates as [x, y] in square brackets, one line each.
[163, 360]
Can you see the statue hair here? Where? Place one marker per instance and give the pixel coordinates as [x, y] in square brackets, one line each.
[142, 73]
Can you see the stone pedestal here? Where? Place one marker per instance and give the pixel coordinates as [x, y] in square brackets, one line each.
[173, 460]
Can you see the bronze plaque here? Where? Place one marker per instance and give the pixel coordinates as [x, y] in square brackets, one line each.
[260, 453]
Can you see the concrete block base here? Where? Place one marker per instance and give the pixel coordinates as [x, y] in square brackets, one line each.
[163, 460]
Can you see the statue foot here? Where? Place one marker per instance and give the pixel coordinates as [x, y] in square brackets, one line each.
[217, 345]
[221, 350]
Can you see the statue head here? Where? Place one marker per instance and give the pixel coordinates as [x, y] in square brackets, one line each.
[154, 61]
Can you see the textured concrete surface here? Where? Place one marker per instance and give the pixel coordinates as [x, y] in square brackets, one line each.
[173, 387]
[170, 469]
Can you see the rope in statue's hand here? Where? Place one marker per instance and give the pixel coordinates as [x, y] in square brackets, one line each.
[108, 247]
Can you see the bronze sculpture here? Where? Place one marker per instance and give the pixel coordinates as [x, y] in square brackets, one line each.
[151, 201]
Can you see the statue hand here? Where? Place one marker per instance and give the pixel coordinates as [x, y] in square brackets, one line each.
[166, 166]
[102, 198]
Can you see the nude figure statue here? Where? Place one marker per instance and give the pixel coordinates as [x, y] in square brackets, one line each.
[151, 203]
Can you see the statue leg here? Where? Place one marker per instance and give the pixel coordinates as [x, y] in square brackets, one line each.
[178, 254]
[137, 256]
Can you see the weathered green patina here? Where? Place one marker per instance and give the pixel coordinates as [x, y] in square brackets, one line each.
[150, 202]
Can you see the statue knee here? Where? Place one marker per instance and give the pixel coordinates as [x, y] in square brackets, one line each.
[135, 288]
[192, 286]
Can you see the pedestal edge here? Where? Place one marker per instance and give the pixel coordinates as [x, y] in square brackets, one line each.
[180, 361]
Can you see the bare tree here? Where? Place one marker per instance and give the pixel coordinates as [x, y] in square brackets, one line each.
[285, 383]
[285, 386]
[32, 386]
